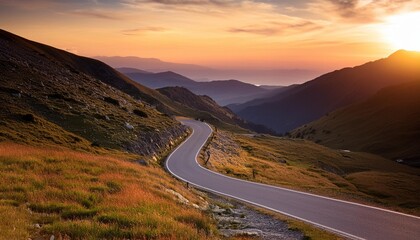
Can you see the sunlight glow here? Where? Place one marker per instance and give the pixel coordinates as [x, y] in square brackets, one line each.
[403, 31]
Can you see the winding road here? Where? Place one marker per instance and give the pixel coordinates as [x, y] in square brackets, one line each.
[351, 220]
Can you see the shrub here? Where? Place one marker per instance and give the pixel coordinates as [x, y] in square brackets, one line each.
[30, 118]
[112, 101]
[140, 113]
[91, 201]
[113, 187]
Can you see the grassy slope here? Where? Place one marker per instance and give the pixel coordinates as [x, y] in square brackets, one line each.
[47, 84]
[386, 124]
[65, 170]
[304, 165]
[81, 195]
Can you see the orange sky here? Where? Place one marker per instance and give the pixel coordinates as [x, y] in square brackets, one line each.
[314, 34]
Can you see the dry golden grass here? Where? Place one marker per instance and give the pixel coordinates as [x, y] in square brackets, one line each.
[306, 166]
[14, 221]
[82, 195]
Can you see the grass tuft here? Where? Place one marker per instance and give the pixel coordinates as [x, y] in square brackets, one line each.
[48, 208]
[79, 213]
[117, 219]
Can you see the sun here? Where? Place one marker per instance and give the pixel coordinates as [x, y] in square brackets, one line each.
[403, 31]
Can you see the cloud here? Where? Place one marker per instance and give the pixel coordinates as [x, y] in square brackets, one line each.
[210, 7]
[276, 28]
[141, 30]
[189, 2]
[96, 13]
[365, 11]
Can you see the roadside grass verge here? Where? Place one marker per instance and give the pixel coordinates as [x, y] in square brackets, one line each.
[61, 192]
[306, 166]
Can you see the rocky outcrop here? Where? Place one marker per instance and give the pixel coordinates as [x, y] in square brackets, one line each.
[152, 143]
[236, 219]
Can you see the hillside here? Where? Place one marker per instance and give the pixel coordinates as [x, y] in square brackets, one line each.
[311, 100]
[199, 103]
[306, 166]
[237, 107]
[79, 159]
[222, 91]
[220, 116]
[386, 124]
[50, 96]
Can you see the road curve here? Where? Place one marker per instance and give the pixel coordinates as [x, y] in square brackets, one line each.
[348, 219]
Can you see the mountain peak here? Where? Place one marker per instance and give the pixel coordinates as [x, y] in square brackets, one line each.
[404, 54]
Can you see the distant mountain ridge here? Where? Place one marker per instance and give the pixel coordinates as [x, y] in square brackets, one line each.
[222, 91]
[311, 100]
[207, 104]
[151, 64]
[269, 76]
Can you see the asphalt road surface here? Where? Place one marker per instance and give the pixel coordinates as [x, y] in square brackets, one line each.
[348, 219]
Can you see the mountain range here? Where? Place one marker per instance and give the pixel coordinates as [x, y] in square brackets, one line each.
[86, 103]
[307, 102]
[224, 92]
[268, 76]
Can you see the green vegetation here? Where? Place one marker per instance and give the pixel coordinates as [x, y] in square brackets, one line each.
[306, 166]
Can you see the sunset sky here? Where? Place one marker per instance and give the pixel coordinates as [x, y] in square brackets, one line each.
[232, 34]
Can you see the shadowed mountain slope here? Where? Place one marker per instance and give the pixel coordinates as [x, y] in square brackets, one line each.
[311, 100]
[387, 124]
[208, 105]
[52, 96]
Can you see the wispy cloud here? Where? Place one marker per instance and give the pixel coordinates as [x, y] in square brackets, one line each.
[187, 2]
[277, 28]
[96, 13]
[141, 30]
